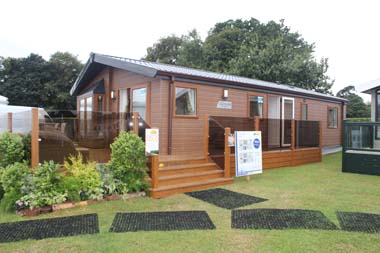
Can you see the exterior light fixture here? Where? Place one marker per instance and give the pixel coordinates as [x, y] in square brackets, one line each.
[225, 94]
[113, 97]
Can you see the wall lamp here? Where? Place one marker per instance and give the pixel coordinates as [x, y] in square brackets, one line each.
[113, 96]
[225, 94]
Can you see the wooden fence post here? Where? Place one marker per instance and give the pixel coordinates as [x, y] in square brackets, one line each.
[293, 141]
[320, 139]
[136, 123]
[206, 137]
[10, 122]
[227, 153]
[257, 123]
[35, 138]
[154, 170]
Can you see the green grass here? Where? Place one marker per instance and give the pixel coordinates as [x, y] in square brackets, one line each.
[319, 186]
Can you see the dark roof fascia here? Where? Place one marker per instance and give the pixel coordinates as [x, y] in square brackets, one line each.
[116, 63]
[74, 89]
[242, 86]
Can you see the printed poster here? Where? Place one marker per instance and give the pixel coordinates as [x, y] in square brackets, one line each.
[151, 141]
[248, 155]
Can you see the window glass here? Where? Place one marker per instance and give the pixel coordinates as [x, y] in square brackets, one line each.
[139, 102]
[89, 107]
[124, 100]
[333, 117]
[256, 106]
[378, 106]
[186, 101]
[81, 116]
[304, 112]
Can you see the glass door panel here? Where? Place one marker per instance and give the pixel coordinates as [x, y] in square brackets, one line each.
[287, 117]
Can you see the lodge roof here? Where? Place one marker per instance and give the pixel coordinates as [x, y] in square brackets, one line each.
[369, 86]
[97, 62]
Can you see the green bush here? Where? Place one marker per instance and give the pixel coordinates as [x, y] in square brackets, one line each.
[86, 175]
[27, 141]
[42, 188]
[72, 187]
[13, 177]
[109, 183]
[128, 161]
[11, 149]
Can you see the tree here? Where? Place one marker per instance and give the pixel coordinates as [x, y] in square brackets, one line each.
[32, 81]
[356, 108]
[166, 50]
[253, 49]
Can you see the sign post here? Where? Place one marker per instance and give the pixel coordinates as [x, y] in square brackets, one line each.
[151, 141]
[248, 155]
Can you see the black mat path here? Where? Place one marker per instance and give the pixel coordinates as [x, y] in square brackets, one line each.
[359, 222]
[280, 219]
[48, 228]
[224, 198]
[161, 221]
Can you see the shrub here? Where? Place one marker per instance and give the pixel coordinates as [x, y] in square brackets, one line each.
[128, 161]
[11, 149]
[42, 188]
[27, 141]
[86, 175]
[109, 183]
[13, 177]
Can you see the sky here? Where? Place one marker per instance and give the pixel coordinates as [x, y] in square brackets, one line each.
[346, 32]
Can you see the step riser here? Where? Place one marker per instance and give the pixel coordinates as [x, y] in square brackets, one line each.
[167, 193]
[194, 178]
[185, 170]
[174, 163]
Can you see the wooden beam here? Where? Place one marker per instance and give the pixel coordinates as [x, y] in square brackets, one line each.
[227, 153]
[34, 138]
[320, 138]
[136, 123]
[293, 141]
[257, 123]
[10, 122]
[206, 137]
[154, 170]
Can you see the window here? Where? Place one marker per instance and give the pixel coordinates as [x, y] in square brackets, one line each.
[185, 101]
[139, 101]
[304, 112]
[256, 106]
[377, 115]
[333, 117]
[89, 107]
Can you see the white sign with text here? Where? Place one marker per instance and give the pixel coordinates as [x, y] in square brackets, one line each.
[248, 155]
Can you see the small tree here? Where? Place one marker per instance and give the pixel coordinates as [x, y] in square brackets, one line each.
[128, 161]
[11, 149]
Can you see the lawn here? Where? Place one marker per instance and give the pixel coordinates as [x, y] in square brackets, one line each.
[319, 186]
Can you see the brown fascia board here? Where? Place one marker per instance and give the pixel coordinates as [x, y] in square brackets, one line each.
[238, 85]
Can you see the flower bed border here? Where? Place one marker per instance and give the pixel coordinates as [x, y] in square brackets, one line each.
[67, 205]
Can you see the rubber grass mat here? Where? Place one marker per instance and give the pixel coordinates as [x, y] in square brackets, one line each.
[280, 219]
[224, 198]
[161, 221]
[359, 222]
[49, 228]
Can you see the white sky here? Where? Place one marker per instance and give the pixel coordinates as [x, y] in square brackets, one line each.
[346, 32]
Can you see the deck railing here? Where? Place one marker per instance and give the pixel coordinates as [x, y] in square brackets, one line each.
[276, 134]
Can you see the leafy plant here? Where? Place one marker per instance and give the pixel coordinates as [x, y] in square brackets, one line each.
[27, 141]
[72, 187]
[86, 175]
[11, 149]
[128, 161]
[110, 184]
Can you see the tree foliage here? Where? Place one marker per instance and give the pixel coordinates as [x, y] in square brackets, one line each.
[265, 51]
[33, 81]
[356, 108]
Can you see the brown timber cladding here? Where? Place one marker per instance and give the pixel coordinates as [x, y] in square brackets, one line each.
[187, 133]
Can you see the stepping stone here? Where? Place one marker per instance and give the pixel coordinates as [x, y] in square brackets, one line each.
[280, 219]
[359, 222]
[224, 198]
[161, 221]
[49, 228]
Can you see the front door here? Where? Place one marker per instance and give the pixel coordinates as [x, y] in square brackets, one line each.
[287, 117]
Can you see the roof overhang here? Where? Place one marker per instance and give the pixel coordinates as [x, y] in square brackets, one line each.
[370, 86]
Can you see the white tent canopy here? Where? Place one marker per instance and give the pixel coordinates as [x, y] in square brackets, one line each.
[3, 100]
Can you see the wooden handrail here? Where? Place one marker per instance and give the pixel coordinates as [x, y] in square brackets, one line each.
[257, 123]
[227, 153]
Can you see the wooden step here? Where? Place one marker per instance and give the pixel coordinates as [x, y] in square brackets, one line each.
[189, 177]
[168, 163]
[186, 168]
[165, 191]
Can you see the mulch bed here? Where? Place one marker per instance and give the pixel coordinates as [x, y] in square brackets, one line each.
[359, 222]
[280, 219]
[225, 199]
[49, 228]
[161, 221]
